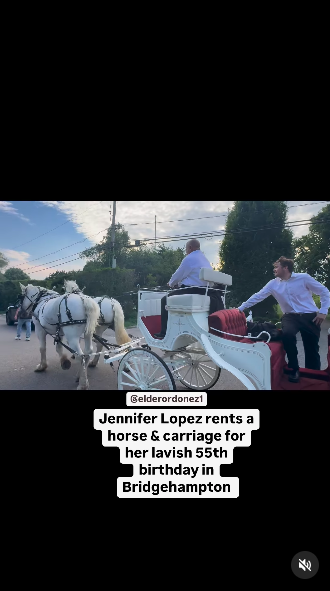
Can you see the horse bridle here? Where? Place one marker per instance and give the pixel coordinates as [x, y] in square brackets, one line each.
[34, 303]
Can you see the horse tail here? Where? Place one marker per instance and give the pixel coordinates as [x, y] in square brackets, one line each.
[120, 332]
[92, 312]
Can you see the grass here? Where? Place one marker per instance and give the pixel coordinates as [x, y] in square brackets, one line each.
[131, 321]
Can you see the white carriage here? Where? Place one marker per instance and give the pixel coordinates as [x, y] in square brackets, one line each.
[192, 353]
[198, 345]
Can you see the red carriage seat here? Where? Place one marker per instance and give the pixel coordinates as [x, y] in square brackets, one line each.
[234, 322]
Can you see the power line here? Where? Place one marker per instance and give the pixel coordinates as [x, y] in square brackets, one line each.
[209, 217]
[179, 238]
[46, 268]
[304, 204]
[64, 247]
[60, 259]
[209, 234]
[128, 224]
[224, 233]
[286, 224]
[28, 241]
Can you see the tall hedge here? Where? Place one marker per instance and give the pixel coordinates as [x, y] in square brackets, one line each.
[10, 289]
[114, 283]
[111, 282]
[108, 281]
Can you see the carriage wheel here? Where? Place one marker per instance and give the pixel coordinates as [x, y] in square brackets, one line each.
[147, 371]
[195, 369]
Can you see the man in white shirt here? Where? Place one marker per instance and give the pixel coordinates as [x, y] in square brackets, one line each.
[293, 291]
[187, 278]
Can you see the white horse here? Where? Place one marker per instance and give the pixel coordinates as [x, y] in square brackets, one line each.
[78, 314]
[110, 315]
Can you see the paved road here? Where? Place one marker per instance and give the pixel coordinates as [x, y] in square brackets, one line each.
[19, 359]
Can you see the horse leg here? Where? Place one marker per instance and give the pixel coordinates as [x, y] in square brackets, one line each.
[65, 362]
[83, 380]
[81, 376]
[42, 341]
[99, 331]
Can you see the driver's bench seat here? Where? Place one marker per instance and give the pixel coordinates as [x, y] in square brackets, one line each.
[191, 302]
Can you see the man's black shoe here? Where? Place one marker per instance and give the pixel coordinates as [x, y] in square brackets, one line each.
[295, 377]
[159, 335]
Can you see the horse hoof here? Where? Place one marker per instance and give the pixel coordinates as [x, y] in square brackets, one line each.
[40, 368]
[72, 357]
[66, 364]
[92, 365]
[77, 380]
[83, 387]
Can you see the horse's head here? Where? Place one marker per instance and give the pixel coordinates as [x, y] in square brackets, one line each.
[71, 286]
[30, 295]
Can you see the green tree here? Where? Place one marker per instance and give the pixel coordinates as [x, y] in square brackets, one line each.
[152, 266]
[10, 290]
[312, 251]
[155, 265]
[15, 273]
[3, 261]
[101, 254]
[255, 237]
[56, 279]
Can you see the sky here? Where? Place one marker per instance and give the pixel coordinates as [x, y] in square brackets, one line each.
[32, 231]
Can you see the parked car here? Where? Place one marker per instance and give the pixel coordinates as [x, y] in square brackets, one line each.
[10, 315]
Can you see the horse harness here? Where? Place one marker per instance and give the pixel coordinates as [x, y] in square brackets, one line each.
[101, 313]
[105, 297]
[59, 323]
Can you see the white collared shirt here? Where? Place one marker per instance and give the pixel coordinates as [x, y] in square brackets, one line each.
[293, 294]
[188, 272]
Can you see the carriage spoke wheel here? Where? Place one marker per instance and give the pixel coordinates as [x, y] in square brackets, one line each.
[195, 370]
[147, 371]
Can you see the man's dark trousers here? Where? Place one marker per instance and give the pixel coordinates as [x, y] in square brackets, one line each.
[310, 334]
[216, 302]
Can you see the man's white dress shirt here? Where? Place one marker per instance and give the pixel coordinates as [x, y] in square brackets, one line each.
[293, 294]
[188, 272]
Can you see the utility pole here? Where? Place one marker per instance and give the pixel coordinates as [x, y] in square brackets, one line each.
[155, 230]
[110, 225]
[113, 235]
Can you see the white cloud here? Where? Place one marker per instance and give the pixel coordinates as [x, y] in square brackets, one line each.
[20, 260]
[76, 265]
[299, 211]
[92, 219]
[6, 207]
[15, 257]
